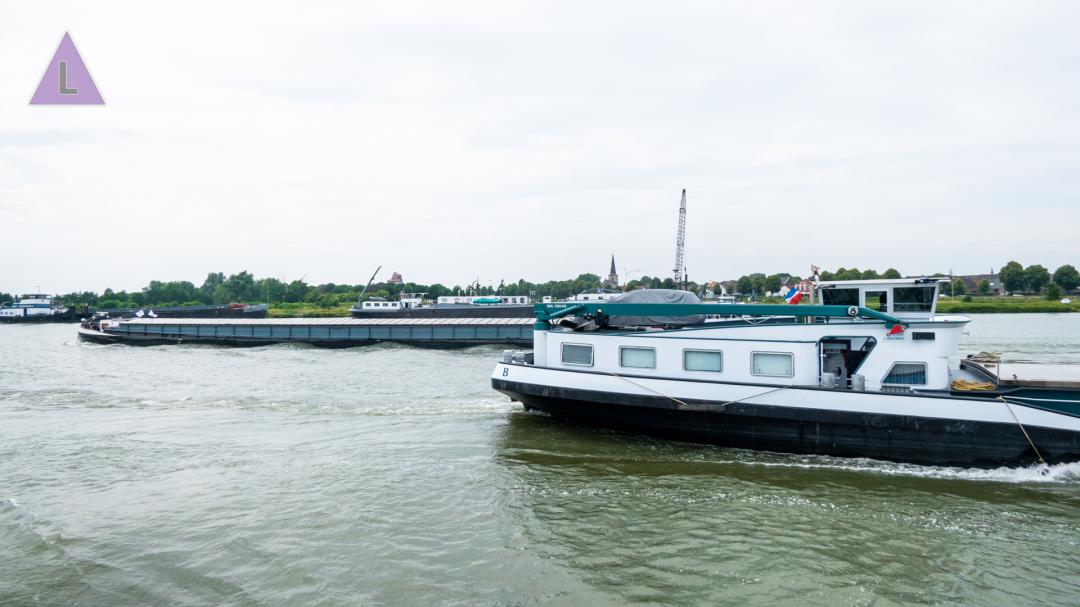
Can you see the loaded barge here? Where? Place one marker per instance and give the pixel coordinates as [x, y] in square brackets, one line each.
[865, 372]
[330, 332]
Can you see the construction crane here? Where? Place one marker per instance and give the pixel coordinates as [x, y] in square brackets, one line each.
[360, 299]
[680, 242]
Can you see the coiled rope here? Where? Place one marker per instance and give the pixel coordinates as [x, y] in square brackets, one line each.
[964, 384]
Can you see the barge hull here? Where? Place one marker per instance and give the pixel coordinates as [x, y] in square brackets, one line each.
[328, 332]
[900, 438]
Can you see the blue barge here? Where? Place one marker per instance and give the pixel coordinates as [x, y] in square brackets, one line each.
[330, 332]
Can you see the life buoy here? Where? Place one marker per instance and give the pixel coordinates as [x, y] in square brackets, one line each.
[853, 310]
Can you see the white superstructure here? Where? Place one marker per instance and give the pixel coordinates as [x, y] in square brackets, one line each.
[31, 305]
[407, 301]
[522, 300]
[800, 353]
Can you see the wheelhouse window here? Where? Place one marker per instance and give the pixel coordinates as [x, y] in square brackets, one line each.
[773, 364]
[877, 300]
[703, 360]
[906, 374]
[840, 297]
[638, 358]
[577, 354]
[913, 299]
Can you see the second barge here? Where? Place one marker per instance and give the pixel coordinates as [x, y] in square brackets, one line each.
[330, 332]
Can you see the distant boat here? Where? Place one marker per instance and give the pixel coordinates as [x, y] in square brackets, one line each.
[35, 307]
[413, 305]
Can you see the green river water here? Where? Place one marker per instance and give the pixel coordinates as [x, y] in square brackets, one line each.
[288, 475]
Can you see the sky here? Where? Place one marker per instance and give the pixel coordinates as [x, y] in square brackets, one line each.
[450, 141]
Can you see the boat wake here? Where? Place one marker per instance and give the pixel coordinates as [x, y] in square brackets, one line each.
[1059, 473]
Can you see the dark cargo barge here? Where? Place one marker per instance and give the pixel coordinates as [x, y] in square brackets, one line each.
[330, 332]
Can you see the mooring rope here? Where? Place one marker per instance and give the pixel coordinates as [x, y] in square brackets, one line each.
[1024, 430]
[654, 391]
[627, 379]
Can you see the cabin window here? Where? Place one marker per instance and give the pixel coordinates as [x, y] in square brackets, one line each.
[638, 358]
[577, 354]
[840, 297]
[906, 374]
[703, 360]
[773, 364]
[913, 299]
[877, 300]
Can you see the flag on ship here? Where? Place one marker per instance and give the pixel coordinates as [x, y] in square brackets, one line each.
[793, 296]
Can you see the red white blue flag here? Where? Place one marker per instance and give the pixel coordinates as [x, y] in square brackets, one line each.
[793, 296]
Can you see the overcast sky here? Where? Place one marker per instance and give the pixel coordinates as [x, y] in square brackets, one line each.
[455, 140]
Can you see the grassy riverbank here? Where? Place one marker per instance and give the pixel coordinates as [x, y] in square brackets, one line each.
[305, 310]
[1006, 305]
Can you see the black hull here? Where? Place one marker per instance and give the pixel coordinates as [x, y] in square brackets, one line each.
[66, 317]
[462, 312]
[898, 438]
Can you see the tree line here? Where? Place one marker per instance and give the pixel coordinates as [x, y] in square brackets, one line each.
[758, 284]
[218, 288]
[1013, 276]
[244, 287]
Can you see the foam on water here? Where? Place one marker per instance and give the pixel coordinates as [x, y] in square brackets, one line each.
[1060, 473]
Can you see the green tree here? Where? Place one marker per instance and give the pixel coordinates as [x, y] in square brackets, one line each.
[1052, 291]
[295, 291]
[241, 287]
[984, 287]
[744, 285]
[1067, 277]
[958, 287]
[1012, 276]
[220, 295]
[891, 273]
[1036, 277]
[206, 291]
[773, 281]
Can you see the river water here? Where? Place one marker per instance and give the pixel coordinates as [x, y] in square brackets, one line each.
[287, 475]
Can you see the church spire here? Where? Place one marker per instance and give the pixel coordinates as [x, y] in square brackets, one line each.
[612, 281]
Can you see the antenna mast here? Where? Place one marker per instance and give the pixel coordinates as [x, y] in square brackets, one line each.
[680, 241]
